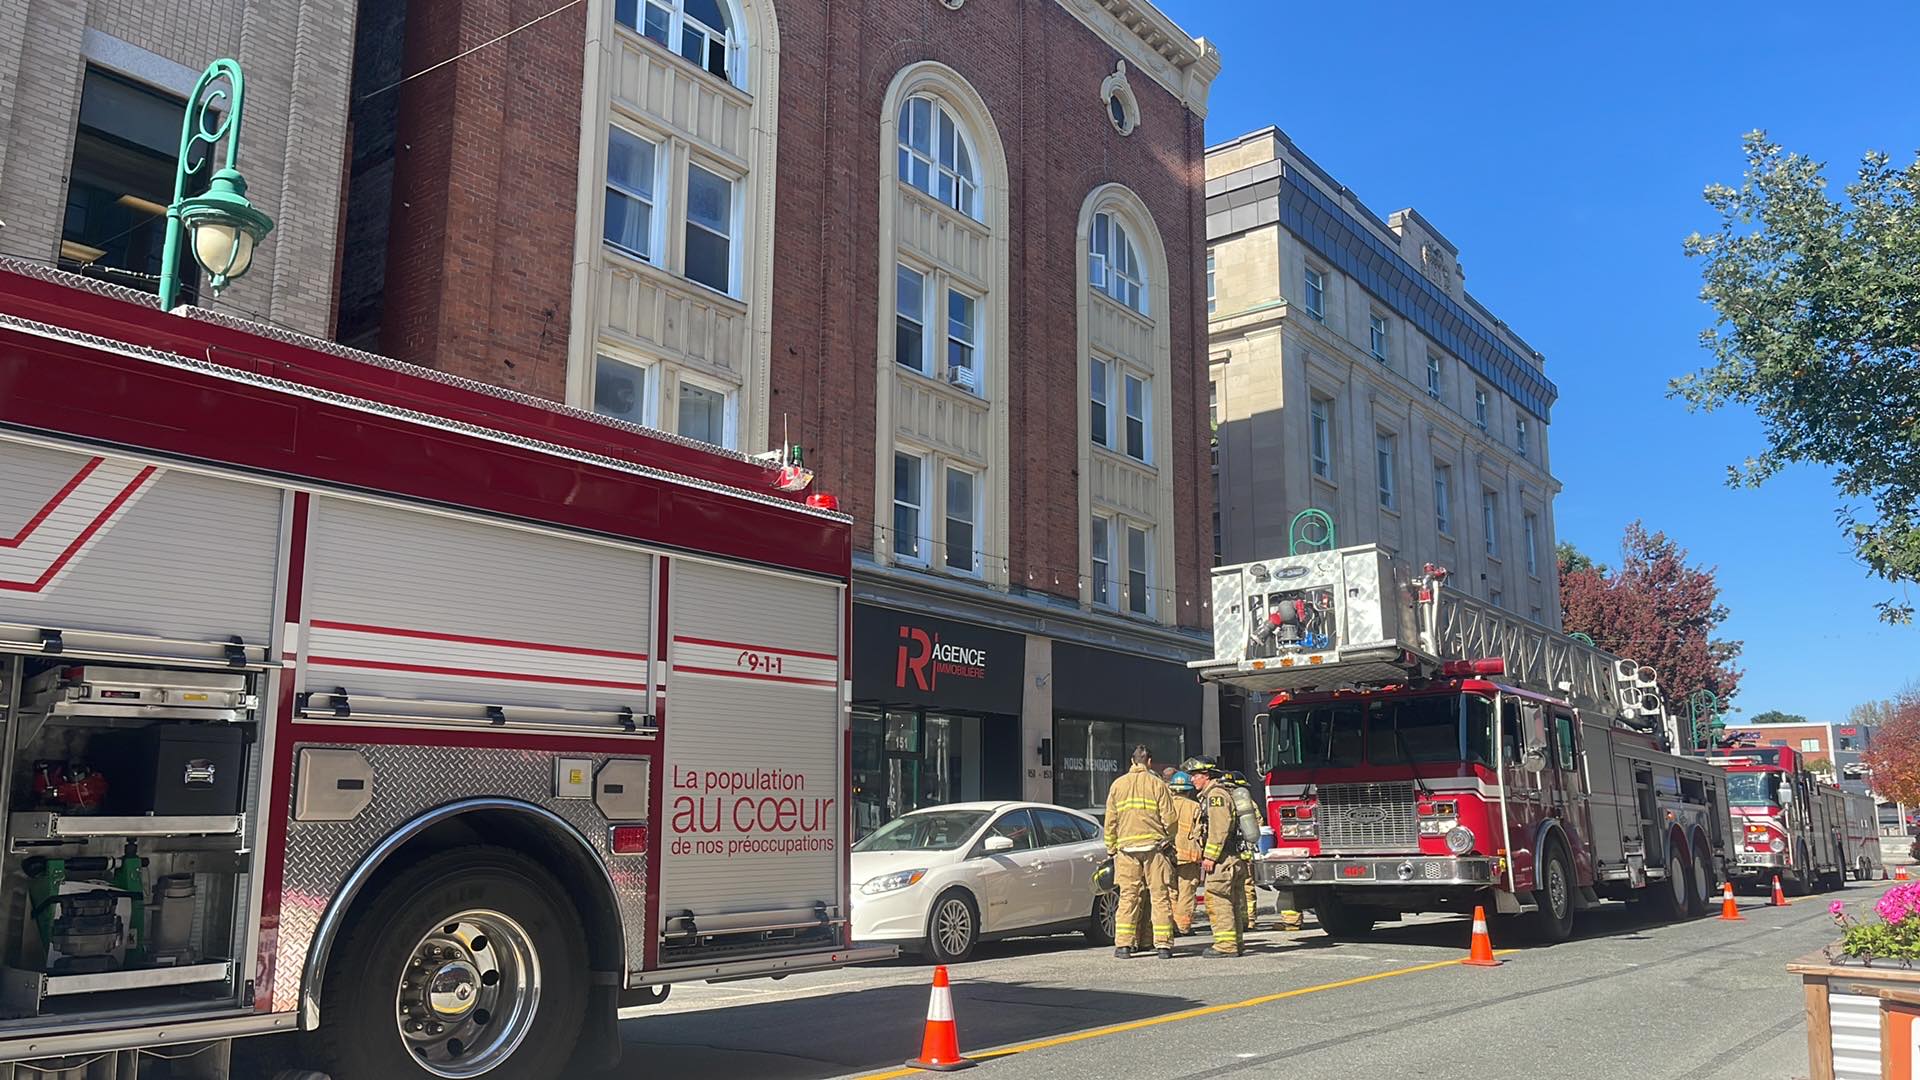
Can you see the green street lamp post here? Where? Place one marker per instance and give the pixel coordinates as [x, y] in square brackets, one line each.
[224, 226]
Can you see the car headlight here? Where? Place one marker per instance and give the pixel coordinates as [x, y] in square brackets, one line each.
[1460, 840]
[887, 883]
[1778, 845]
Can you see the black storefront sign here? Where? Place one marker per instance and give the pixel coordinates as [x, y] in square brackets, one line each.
[902, 658]
[1100, 683]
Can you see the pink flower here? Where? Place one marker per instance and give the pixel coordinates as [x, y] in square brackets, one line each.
[1899, 904]
[1836, 909]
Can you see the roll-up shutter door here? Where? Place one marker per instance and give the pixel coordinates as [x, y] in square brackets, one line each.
[104, 545]
[414, 613]
[754, 824]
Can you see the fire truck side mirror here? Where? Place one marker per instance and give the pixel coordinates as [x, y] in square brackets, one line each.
[1260, 740]
[1533, 731]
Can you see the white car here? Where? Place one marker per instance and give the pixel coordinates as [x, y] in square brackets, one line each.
[943, 879]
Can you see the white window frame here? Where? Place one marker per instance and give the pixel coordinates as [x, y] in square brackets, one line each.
[1520, 435]
[729, 397]
[1443, 497]
[970, 343]
[924, 361]
[1213, 423]
[967, 197]
[653, 203]
[1810, 746]
[1496, 598]
[1320, 435]
[1480, 407]
[1315, 300]
[921, 555]
[1105, 590]
[678, 19]
[1129, 378]
[1212, 298]
[732, 236]
[1386, 451]
[1145, 599]
[976, 555]
[1530, 525]
[1377, 336]
[1100, 393]
[649, 373]
[1114, 265]
[1434, 374]
[1490, 520]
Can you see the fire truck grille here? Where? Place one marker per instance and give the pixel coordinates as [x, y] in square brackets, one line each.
[1368, 817]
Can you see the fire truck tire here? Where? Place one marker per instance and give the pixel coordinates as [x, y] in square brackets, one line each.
[502, 944]
[1672, 899]
[953, 927]
[1703, 879]
[1552, 921]
[1344, 922]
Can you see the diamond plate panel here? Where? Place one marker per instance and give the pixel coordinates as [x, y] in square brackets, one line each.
[408, 781]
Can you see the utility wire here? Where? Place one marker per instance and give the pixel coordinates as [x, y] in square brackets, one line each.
[463, 55]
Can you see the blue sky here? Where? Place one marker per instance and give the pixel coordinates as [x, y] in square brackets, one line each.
[1563, 149]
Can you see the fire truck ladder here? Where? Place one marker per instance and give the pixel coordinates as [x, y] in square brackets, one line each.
[1456, 626]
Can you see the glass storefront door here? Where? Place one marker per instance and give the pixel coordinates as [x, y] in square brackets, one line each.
[904, 759]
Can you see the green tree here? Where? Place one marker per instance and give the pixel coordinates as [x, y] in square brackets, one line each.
[1817, 306]
[1575, 561]
[1775, 716]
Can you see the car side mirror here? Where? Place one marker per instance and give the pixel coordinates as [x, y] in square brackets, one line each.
[997, 844]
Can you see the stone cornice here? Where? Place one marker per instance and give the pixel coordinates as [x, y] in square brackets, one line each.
[1186, 66]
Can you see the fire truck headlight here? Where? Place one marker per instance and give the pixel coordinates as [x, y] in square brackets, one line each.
[1460, 840]
[1778, 845]
[1296, 830]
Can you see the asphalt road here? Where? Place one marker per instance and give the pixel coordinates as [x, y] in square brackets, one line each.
[1700, 999]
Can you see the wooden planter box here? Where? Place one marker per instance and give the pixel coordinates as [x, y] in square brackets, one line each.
[1860, 1019]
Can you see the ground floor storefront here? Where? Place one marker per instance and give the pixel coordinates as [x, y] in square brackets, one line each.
[954, 709]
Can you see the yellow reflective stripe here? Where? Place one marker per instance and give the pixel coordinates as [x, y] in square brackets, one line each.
[1139, 836]
[1141, 802]
[1213, 850]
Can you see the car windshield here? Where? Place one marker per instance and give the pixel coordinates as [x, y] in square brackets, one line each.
[1383, 731]
[929, 830]
[1750, 788]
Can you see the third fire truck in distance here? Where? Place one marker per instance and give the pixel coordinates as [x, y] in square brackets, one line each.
[1811, 835]
[1427, 751]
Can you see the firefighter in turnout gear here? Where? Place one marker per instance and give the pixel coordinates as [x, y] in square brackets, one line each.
[1139, 831]
[1186, 851]
[1220, 858]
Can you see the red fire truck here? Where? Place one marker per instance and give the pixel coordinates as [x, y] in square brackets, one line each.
[342, 696]
[1426, 751]
[1810, 834]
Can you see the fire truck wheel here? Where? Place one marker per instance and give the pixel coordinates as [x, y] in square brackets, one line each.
[953, 927]
[1672, 898]
[1553, 919]
[467, 964]
[1703, 879]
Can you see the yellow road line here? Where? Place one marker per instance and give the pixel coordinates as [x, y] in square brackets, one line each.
[1205, 1010]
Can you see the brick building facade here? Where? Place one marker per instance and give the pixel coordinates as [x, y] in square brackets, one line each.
[953, 250]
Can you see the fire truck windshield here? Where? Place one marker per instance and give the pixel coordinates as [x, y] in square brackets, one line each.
[1753, 788]
[1382, 731]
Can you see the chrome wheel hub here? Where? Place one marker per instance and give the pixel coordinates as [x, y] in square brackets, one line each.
[468, 993]
[954, 927]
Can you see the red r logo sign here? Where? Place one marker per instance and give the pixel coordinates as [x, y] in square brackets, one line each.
[916, 650]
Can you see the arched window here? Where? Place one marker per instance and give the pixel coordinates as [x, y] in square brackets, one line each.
[1113, 266]
[703, 31]
[937, 157]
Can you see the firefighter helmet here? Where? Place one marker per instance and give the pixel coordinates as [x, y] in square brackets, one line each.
[1200, 765]
[1181, 783]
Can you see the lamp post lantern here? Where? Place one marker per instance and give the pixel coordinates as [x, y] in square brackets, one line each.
[225, 227]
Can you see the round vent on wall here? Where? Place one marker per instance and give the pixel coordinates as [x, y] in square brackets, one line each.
[1123, 109]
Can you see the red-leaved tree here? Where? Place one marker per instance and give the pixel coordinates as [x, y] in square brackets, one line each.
[1894, 755]
[1656, 609]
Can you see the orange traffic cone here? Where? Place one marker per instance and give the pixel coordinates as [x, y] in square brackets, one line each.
[940, 1046]
[1899, 873]
[1481, 954]
[1779, 898]
[1729, 910]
